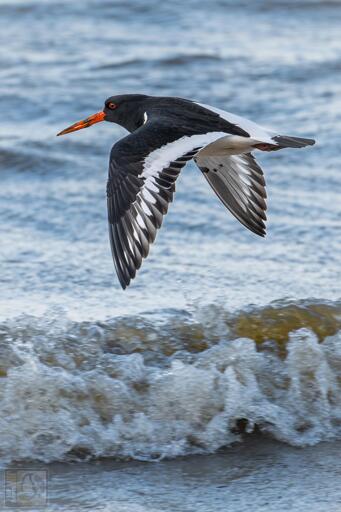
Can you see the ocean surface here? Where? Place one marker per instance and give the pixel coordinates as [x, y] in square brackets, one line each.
[222, 361]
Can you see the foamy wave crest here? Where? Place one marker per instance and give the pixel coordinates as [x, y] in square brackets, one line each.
[70, 391]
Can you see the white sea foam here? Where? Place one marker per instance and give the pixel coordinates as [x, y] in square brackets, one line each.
[65, 396]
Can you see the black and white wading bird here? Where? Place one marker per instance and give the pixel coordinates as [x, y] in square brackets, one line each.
[165, 133]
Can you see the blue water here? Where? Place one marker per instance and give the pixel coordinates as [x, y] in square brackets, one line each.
[219, 324]
[277, 63]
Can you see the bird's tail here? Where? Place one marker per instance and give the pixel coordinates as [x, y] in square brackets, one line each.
[285, 141]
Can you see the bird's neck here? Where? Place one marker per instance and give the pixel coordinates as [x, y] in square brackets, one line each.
[133, 120]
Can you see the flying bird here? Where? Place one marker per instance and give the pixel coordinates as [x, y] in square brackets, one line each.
[165, 133]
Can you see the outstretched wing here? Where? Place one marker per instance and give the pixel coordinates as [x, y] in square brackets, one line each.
[239, 183]
[142, 173]
[233, 172]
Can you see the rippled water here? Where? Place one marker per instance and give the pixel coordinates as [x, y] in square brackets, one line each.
[55, 248]
[222, 332]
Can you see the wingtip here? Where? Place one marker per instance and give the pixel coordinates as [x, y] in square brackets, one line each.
[123, 283]
[262, 234]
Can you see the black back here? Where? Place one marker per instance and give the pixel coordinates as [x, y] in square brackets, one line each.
[186, 116]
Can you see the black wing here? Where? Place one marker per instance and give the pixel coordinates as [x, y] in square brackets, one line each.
[142, 173]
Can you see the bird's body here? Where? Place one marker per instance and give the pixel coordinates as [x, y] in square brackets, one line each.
[165, 133]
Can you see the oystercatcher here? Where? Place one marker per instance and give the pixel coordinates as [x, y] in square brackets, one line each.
[165, 133]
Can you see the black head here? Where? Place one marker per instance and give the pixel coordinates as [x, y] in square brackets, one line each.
[127, 110]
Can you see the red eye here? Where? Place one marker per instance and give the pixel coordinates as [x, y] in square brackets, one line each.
[112, 105]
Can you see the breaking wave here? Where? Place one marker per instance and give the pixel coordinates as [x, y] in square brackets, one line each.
[137, 388]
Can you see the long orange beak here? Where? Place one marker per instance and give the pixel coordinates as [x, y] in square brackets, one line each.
[95, 118]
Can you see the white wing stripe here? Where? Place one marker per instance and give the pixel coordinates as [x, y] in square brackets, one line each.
[257, 132]
[163, 156]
